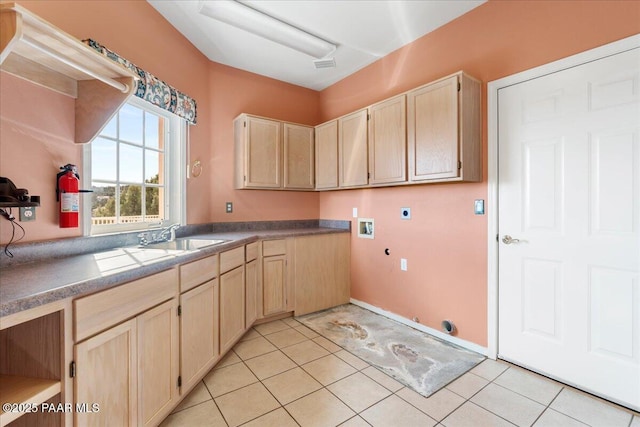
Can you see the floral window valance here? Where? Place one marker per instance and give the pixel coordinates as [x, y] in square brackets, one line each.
[152, 89]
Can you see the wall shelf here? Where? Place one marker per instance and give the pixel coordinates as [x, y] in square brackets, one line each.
[33, 49]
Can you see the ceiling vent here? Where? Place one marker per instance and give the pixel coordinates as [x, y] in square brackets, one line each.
[325, 63]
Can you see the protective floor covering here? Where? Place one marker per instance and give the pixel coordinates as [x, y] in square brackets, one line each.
[416, 359]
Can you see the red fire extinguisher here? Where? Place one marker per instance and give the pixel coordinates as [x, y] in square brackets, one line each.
[68, 194]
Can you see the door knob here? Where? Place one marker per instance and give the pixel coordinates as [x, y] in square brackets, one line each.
[507, 240]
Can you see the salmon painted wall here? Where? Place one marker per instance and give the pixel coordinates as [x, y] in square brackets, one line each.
[42, 122]
[444, 242]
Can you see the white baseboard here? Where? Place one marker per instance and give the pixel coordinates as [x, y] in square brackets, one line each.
[457, 341]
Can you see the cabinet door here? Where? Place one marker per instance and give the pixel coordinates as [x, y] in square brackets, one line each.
[433, 131]
[388, 141]
[298, 157]
[251, 292]
[274, 284]
[231, 307]
[327, 155]
[263, 153]
[198, 332]
[322, 272]
[157, 362]
[352, 145]
[107, 374]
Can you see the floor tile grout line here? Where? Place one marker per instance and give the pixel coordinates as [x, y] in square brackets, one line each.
[214, 402]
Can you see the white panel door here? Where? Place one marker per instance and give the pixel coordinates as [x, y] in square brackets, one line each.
[569, 200]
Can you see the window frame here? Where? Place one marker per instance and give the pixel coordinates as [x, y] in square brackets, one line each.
[175, 154]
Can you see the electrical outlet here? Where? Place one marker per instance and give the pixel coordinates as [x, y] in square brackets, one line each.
[403, 264]
[229, 207]
[27, 214]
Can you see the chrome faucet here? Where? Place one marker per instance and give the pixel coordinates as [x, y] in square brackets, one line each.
[170, 231]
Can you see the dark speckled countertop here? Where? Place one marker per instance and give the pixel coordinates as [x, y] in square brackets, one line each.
[42, 281]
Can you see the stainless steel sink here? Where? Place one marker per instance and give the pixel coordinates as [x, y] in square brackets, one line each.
[184, 244]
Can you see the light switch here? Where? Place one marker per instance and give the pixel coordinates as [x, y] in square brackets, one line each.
[405, 213]
[355, 212]
[403, 264]
[478, 207]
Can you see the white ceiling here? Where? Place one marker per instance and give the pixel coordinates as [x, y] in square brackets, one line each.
[363, 30]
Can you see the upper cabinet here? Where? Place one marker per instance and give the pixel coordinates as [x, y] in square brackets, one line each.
[33, 49]
[327, 155]
[270, 154]
[352, 150]
[388, 141]
[298, 157]
[430, 134]
[444, 131]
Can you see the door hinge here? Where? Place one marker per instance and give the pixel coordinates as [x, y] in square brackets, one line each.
[245, 123]
[459, 86]
[368, 175]
[179, 381]
[459, 164]
[368, 116]
[179, 310]
[245, 178]
[497, 237]
[72, 369]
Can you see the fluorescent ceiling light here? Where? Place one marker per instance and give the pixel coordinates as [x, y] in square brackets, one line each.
[258, 23]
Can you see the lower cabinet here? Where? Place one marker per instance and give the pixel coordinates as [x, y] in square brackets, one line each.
[275, 277]
[107, 374]
[251, 293]
[232, 297]
[127, 352]
[274, 284]
[232, 303]
[130, 370]
[158, 343]
[199, 346]
[322, 272]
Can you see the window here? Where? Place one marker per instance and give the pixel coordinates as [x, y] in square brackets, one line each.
[135, 166]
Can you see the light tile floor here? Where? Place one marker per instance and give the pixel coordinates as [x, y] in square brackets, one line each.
[283, 374]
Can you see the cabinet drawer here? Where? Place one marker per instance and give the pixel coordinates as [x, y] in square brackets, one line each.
[197, 272]
[252, 251]
[274, 247]
[231, 259]
[100, 311]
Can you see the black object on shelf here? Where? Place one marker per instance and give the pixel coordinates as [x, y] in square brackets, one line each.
[13, 197]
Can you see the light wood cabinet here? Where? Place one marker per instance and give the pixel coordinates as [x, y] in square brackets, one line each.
[388, 141]
[232, 307]
[352, 150]
[158, 362]
[276, 293]
[107, 374]
[199, 320]
[258, 152]
[327, 156]
[199, 347]
[270, 154]
[251, 284]
[322, 272]
[274, 284]
[130, 368]
[444, 131]
[299, 162]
